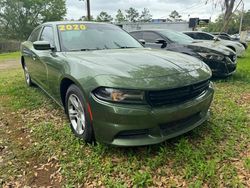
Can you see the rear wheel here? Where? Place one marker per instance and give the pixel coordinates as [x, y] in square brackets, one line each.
[76, 109]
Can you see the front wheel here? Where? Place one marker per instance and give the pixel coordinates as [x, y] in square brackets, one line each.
[76, 109]
[27, 76]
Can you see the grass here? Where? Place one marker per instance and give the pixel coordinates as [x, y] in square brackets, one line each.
[215, 154]
[7, 56]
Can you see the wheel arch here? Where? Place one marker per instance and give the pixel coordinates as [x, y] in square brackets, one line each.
[22, 61]
[232, 48]
[65, 83]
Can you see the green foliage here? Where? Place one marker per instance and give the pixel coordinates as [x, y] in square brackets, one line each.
[19, 17]
[233, 25]
[132, 15]
[120, 16]
[246, 21]
[145, 16]
[104, 17]
[6, 56]
[85, 18]
[175, 16]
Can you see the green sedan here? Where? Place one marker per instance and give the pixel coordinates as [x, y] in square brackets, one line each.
[113, 89]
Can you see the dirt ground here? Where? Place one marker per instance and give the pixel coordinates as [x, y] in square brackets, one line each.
[31, 173]
[9, 64]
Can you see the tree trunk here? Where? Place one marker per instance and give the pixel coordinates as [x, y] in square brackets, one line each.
[229, 5]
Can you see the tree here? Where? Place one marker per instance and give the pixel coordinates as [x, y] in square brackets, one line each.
[175, 16]
[85, 18]
[19, 17]
[145, 16]
[227, 6]
[132, 15]
[233, 24]
[104, 17]
[246, 21]
[120, 16]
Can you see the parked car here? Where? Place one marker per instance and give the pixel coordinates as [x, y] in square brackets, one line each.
[112, 88]
[225, 36]
[248, 37]
[204, 36]
[220, 59]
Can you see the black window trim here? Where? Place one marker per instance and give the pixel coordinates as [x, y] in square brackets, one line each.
[39, 27]
[43, 27]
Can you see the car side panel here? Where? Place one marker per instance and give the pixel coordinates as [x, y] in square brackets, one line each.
[57, 69]
[28, 53]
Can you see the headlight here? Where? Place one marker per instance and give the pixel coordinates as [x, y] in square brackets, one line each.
[211, 56]
[120, 95]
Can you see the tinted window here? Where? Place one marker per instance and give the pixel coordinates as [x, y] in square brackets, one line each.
[47, 35]
[151, 37]
[204, 36]
[91, 36]
[176, 37]
[224, 37]
[34, 35]
[190, 35]
[137, 35]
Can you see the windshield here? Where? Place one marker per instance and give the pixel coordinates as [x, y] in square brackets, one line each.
[91, 36]
[177, 37]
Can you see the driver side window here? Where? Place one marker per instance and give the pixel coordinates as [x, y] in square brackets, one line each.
[34, 35]
[151, 37]
[47, 35]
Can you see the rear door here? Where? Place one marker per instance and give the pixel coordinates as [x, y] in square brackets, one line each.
[29, 53]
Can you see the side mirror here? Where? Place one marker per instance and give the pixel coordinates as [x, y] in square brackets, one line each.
[160, 41]
[42, 45]
[143, 42]
[216, 39]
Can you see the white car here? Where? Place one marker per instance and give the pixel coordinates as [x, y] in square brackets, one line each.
[207, 37]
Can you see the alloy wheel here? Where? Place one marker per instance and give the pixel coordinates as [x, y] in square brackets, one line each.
[76, 114]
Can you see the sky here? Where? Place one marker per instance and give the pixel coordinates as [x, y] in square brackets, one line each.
[158, 8]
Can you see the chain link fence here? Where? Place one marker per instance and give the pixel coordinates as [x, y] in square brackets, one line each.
[9, 46]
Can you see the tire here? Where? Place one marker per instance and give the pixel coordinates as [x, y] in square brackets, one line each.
[27, 77]
[76, 109]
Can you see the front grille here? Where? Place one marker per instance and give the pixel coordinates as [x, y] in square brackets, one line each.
[173, 127]
[132, 134]
[177, 95]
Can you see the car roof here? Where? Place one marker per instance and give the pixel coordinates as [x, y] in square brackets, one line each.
[151, 30]
[197, 32]
[194, 32]
[70, 22]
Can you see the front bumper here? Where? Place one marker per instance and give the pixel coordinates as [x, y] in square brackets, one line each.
[222, 68]
[137, 125]
[240, 51]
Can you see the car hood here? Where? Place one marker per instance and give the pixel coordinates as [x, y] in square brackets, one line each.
[211, 47]
[221, 42]
[135, 63]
